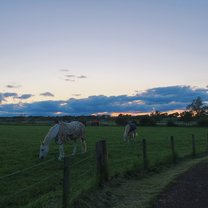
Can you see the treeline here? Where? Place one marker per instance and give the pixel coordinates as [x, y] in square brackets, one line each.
[196, 114]
[50, 120]
[185, 118]
[164, 119]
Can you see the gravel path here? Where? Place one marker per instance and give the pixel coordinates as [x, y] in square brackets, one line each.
[190, 190]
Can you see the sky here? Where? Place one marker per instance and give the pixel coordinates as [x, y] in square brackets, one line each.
[88, 57]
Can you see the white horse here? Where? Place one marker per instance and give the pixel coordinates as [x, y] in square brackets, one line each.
[63, 133]
[130, 132]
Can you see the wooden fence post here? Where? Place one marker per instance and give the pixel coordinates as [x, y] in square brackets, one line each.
[102, 162]
[173, 149]
[193, 146]
[207, 142]
[144, 150]
[66, 183]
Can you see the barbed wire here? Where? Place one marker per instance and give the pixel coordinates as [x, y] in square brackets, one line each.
[26, 169]
[81, 161]
[84, 174]
[124, 149]
[74, 155]
[34, 184]
[122, 160]
[133, 154]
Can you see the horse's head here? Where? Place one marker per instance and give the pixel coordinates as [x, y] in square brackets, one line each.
[43, 151]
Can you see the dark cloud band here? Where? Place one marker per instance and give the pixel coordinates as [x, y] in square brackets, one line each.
[161, 99]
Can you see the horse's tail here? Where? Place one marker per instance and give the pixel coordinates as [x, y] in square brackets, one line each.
[126, 131]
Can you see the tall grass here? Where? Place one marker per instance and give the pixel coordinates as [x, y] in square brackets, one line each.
[41, 185]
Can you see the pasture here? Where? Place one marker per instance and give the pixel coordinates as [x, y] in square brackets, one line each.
[27, 182]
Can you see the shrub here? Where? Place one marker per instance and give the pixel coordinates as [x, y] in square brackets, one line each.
[203, 122]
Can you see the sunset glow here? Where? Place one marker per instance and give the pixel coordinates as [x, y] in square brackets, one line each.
[89, 57]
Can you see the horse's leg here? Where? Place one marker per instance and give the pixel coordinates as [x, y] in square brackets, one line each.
[125, 136]
[61, 152]
[126, 133]
[133, 137]
[84, 145]
[75, 148]
[129, 137]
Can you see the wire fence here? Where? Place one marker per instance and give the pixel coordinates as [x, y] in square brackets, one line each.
[86, 170]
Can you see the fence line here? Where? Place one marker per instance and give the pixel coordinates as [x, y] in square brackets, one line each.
[122, 160]
[26, 169]
[83, 160]
[102, 159]
[83, 174]
[34, 184]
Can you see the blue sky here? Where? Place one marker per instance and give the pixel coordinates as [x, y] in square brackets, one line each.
[85, 57]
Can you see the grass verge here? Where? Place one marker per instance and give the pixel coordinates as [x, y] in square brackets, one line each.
[137, 190]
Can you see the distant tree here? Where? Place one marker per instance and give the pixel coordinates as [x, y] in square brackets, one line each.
[197, 106]
[186, 116]
[147, 121]
[122, 119]
[156, 116]
[176, 115]
[203, 122]
[171, 123]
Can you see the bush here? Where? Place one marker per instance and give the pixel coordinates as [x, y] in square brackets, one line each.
[171, 123]
[203, 122]
[147, 121]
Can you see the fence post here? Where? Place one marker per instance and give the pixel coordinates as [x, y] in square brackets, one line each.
[193, 146]
[144, 150]
[207, 142]
[66, 183]
[102, 162]
[173, 148]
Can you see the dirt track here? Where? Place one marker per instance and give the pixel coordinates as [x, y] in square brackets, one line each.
[190, 190]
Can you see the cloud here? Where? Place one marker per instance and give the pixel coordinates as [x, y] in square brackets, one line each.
[13, 86]
[10, 94]
[73, 76]
[4, 96]
[77, 95]
[1, 97]
[64, 70]
[25, 96]
[70, 75]
[82, 77]
[161, 99]
[47, 94]
[70, 80]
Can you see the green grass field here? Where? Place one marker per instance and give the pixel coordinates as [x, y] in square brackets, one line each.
[27, 182]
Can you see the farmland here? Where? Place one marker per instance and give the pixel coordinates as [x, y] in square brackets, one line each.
[27, 182]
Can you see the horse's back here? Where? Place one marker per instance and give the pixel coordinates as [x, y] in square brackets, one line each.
[75, 128]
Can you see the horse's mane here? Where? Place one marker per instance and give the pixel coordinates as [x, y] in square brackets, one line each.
[52, 133]
[64, 130]
[126, 131]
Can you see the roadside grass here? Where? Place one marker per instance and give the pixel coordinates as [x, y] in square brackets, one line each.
[139, 190]
[149, 187]
[39, 183]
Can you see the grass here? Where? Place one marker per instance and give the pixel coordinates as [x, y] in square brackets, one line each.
[148, 187]
[41, 186]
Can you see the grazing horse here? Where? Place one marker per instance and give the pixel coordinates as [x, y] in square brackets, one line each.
[130, 132]
[62, 133]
